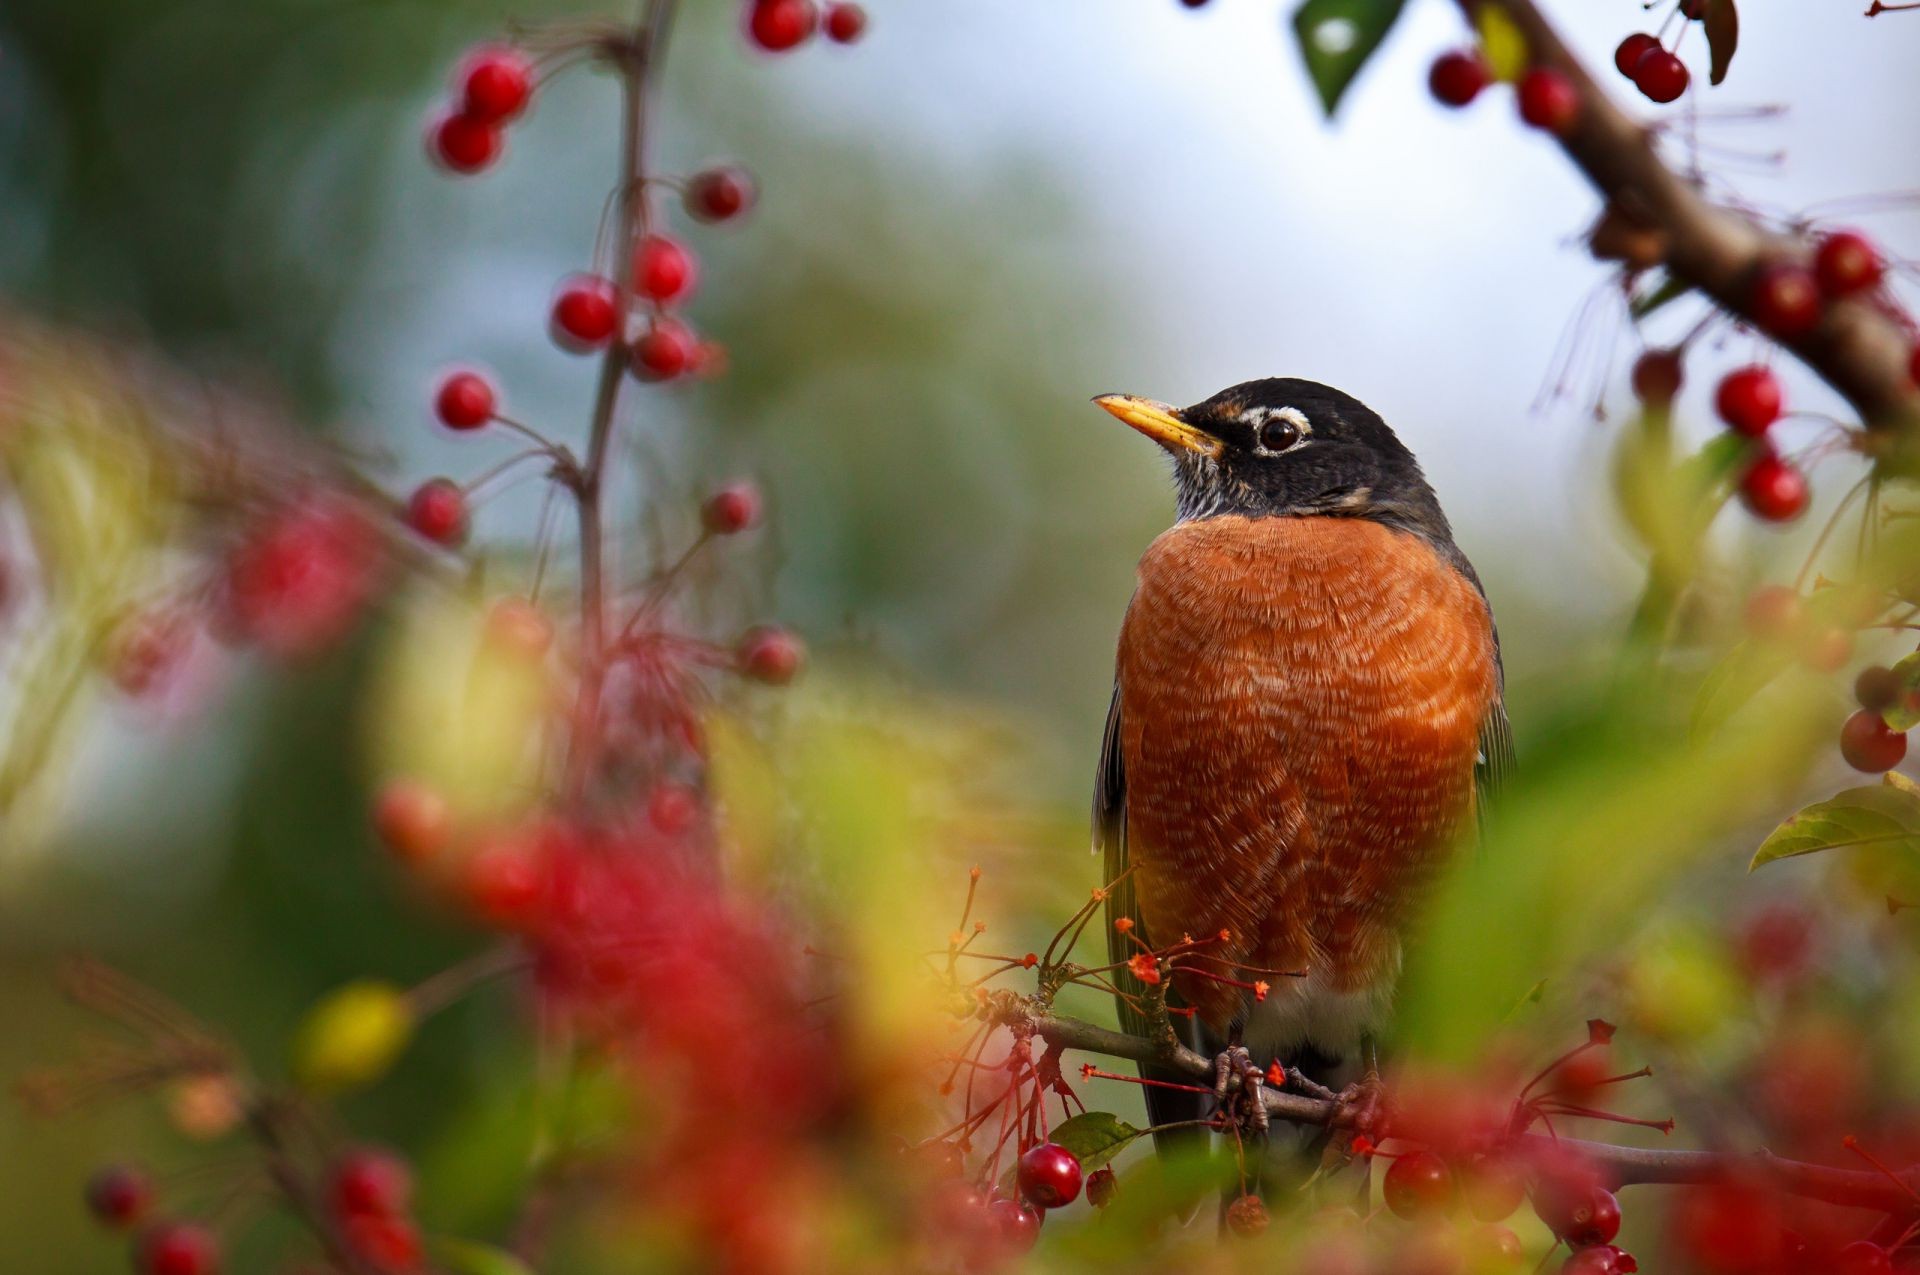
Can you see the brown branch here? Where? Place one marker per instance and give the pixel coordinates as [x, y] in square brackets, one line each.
[1621, 1166]
[1860, 351]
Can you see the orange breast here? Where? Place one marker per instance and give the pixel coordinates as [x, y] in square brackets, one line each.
[1301, 701]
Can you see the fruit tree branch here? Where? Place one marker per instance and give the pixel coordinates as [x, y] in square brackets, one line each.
[1858, 349]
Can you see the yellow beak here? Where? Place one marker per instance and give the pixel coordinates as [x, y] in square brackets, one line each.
[1161, 423]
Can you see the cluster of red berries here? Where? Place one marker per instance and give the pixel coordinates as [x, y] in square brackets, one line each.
[1776, 614]
[780, 25]
[120, 1197]
[492, 88]
[1866, 741]
[1546, 97]
[1654, 69]
[994, 1227]
[370, 1194]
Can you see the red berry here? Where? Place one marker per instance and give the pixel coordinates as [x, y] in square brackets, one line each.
[146, 650]
[1418, 1184]
[462, 144]
[1548, 100]
[1773, 489]
[496, 83]
[1049, 1175]
[845, 22]
[664, 350]
[771, 655]
[779, 25]
[1493, 1187]
[369, 1180]
[1657, 377]
[503, 882]
[1627, 56]
[1876, 688]
[1847, 262]
[719, 194]
[413, 820]
[1102, 1186]
[1785, 299]
[1870, 745]
[177, 1248]
[1578, 1210]
[389, 1244]
[1491, 1249]
[1248, 1216]
[1457, 77]
[1660, 75]
[118, 1194]
[518, 626]
[731, 509]
[438, 510]
[465, 401]
[672, 808]
[1016, 1224]
[1828, 650]
[584, 316]
[1749, 399]
[1862, 1257]
[1774, 613]
[1601, 1259]
[663, 269]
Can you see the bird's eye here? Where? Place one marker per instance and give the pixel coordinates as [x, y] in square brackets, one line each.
[1278, 434]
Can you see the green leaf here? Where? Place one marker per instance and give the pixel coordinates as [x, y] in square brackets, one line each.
[1723, 37]
[1741, 674]
[1904, 712]
[1881, 815]
[1095, 1137]
[1670, 290]
[465, 1257]
[1336, 39]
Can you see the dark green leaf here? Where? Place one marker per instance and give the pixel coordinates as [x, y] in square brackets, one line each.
[1723, 37]
[1669, 290]
[1336, 39]
[1095, 1137]
[1881, 815]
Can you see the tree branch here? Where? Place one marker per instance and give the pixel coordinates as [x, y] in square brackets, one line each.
[1859, 350]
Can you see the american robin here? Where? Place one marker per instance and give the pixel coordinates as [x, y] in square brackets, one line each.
[1307, 712]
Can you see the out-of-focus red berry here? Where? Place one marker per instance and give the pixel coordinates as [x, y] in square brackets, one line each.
[1049, 1175]
[369, 1180]
[1601, 1259]
[119, 1195]
[301, 578]
[1749, 399]
[779, 25]
[846, 22]
[1877, 687]
[663, 269]
[1774, 613]
[733, 508]
[1827, 650]
[1785, 299]
[496, 82]
[584, 314]
[1627, 56]
[438, 510]
[1248, 1217]
[1847, 262]
[1458, 76]
[465, 400]
[177, 1248]
[146, 649]
[1491, 1249]
[1418, 1184]
[719, 194]
[1548, 100]
[1661, 76]
[1773, 489]
[1870, 745]
[1776, 942]
[412, 820]
[504, 881]
[665, 350]
[1493, 1186]
[1656, 377]
[461, 144]
[517, 626]
[1016, 1225]
[390, 1244]
[770, 654]
[1102, 1186]
[672, 807]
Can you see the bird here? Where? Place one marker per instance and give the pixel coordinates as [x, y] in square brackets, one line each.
[1308, 716]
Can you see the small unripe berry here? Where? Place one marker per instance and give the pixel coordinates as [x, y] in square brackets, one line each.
[779, 25]
[1749, 399]
[370, 1180]
[1548, 100]
[464, 401]
[461, 144]
[1862, 1257]
[663, 269]
[1773, 489]
[584, 315]
[118, 1195]
[177, 1248]
[845, 22]
[1847, 262]
[438, 510]
[1458, 76]
[733, 508]
[665, 350]
[1870, 745]
[1785, 299]
[771, 655]
[1627, 56]
[496, 83]
[1247, 1216]
[1049, 1175]
[1418, 1184]
[719, 194]
[1102, 1186]
[1660, 75]
[412, 820]
[1656, 377]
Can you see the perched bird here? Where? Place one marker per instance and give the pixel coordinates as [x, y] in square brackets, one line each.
[1307, 712]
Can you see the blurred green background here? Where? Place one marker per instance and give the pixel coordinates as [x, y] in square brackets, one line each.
[969, 225]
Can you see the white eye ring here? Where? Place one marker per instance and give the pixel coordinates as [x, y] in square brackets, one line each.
[1262, 419]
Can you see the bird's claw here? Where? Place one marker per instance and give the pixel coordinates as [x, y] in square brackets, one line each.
[1243, 1104]
[1362, 1105]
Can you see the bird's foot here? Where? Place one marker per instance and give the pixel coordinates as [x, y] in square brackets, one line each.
[1362, 1105]
[1242, 1105]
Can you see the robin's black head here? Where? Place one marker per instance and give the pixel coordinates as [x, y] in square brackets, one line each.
[1284, 447]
